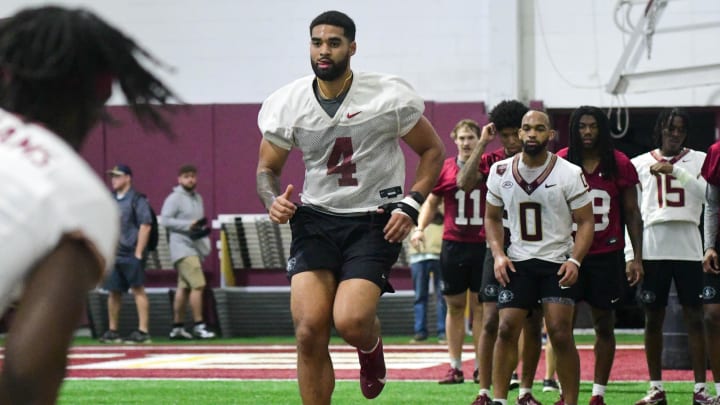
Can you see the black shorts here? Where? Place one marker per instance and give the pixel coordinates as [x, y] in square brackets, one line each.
[349, 246]
[535, 281]
[461, 265]
[711, 289]
[601, 282]
[688, 276]
[490, 287]
[128, 272]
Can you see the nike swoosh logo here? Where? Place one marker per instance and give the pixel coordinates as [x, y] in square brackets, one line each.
[353, 114]
[614, 300]
[550, 185]
[685, 161]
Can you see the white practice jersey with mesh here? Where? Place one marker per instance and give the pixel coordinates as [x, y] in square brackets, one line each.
[670, 210]
[47, 191]
[351, 157]
[539, 210]
[663, 197]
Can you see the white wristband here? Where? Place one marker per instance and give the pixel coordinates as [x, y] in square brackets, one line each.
[411, 202]
[574, 261]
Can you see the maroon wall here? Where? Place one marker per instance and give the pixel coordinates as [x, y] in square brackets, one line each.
[222, 141]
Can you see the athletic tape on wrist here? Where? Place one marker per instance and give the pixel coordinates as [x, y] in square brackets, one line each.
[574, 260]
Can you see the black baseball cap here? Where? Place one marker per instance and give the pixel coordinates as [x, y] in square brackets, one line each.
[120, 169]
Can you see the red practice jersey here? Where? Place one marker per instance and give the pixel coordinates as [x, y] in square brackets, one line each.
[463, 211]
[711, 167]
[607, 204]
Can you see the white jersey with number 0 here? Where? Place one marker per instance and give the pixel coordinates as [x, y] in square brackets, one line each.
[539, 210]
[353, 161]
[48, 191]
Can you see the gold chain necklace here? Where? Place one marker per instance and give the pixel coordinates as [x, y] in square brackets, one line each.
[345, 83]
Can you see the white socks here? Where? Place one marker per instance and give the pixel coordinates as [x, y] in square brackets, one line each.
[657, 384]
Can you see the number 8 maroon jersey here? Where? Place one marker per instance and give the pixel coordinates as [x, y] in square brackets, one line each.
[607, 204]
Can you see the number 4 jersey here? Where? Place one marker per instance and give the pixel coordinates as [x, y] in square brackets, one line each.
[353, 160]
[539, 209]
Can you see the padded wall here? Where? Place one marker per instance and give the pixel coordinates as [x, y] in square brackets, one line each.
[222, 141]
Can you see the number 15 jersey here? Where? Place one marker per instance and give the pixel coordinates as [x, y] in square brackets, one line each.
[353, 160]
[539, 210]
[670, 209]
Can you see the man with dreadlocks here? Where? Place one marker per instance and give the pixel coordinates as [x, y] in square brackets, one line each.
[612, 180]
[671, 197]
[58, 223]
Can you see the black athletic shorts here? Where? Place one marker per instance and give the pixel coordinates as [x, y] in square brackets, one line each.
[490, 287]
[535, 281]
[601, 283]
[349, 246]
[461, 266]
[655, 288]
[711, 289]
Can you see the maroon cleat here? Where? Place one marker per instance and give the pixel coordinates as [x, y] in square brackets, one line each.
[527, 399]
[597, 400]
[453, 376]
[703, 398]
[372, 371]
[655, 396]
[560, 401]
[482, 399]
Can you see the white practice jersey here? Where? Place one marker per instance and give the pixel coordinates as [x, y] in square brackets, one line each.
[47, 191]
[353, 161]
[671, 206]
[539, 210]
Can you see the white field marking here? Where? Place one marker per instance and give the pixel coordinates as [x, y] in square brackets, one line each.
[282, 360]
[293, 380]
[342, 360]
[265, 348]
[95, 355]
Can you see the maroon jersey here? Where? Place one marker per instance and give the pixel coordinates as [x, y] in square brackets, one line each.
[711, 167]
[486, 161]
[606, 196]
[463, 211]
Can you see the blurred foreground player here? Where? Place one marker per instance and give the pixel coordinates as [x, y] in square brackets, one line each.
[58, 222]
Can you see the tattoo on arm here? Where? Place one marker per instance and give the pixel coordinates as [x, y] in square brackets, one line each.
[268, 187]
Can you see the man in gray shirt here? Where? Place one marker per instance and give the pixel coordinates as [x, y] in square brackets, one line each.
[183, 216]
[128, 272]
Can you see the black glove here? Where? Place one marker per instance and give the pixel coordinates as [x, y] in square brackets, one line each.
[410, 206]
[199, 224]
[199, 232]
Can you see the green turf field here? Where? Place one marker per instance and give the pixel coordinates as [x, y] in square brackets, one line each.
[151, 391]
[164, 392]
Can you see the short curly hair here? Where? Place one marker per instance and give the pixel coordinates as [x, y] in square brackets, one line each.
[508, 114]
